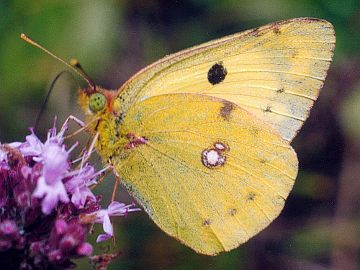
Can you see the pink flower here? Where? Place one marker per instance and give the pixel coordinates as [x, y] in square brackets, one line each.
[78, 185]
[51, 194]
[54, 160]
[54, 157]
[44, 202]
[103, 216]
[50, 186]
[31, 147]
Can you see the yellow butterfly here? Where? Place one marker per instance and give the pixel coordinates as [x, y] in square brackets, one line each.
[201, 138]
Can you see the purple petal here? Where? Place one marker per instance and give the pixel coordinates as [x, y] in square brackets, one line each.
[78, 186]
[51, 194]
[55, 256]
[32, 147]
[107, 226]
[85, 249]
[115, 207]
[103, 237]
[120, 209]
[9, 228]
[60, 226]
[81, 195]
[55, 162]
[15, 144]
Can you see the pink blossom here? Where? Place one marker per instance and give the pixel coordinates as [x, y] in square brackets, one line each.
[31, 147]
[78, 185]
[50, 200]
[51, 194]
[103, 216]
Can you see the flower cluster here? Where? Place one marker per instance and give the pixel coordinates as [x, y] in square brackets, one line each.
[46, 205]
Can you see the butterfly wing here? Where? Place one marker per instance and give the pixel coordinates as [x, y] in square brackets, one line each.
[275, 71]
[205, 170]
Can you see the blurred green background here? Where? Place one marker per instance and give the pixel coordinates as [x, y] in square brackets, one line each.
[319, 227]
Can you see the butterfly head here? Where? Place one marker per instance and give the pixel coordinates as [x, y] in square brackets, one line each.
[96, 102]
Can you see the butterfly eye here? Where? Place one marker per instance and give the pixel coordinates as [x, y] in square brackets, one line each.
[97, 102]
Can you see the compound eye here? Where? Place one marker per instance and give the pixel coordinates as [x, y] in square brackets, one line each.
[97, 102]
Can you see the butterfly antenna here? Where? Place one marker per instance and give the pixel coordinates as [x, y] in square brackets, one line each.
[77, 70]
[75, 64]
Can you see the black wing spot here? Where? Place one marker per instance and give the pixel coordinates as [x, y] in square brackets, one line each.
[217, 73]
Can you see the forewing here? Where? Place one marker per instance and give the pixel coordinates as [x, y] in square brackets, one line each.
[206, 171]
[275, 71]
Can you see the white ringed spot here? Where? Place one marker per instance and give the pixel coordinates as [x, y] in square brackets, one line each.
[212, 158]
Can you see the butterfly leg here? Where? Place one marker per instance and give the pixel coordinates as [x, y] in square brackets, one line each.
[117, 182]
[75, 119]
[91, 148]
[86, 151]
[81, 123]
[105, 172]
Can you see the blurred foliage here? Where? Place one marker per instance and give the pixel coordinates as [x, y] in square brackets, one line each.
[113, 39]
[350, 114]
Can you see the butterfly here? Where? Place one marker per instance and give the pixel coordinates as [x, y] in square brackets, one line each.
[201, 138]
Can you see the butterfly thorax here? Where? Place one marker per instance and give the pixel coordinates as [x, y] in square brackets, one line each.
[114, 141]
